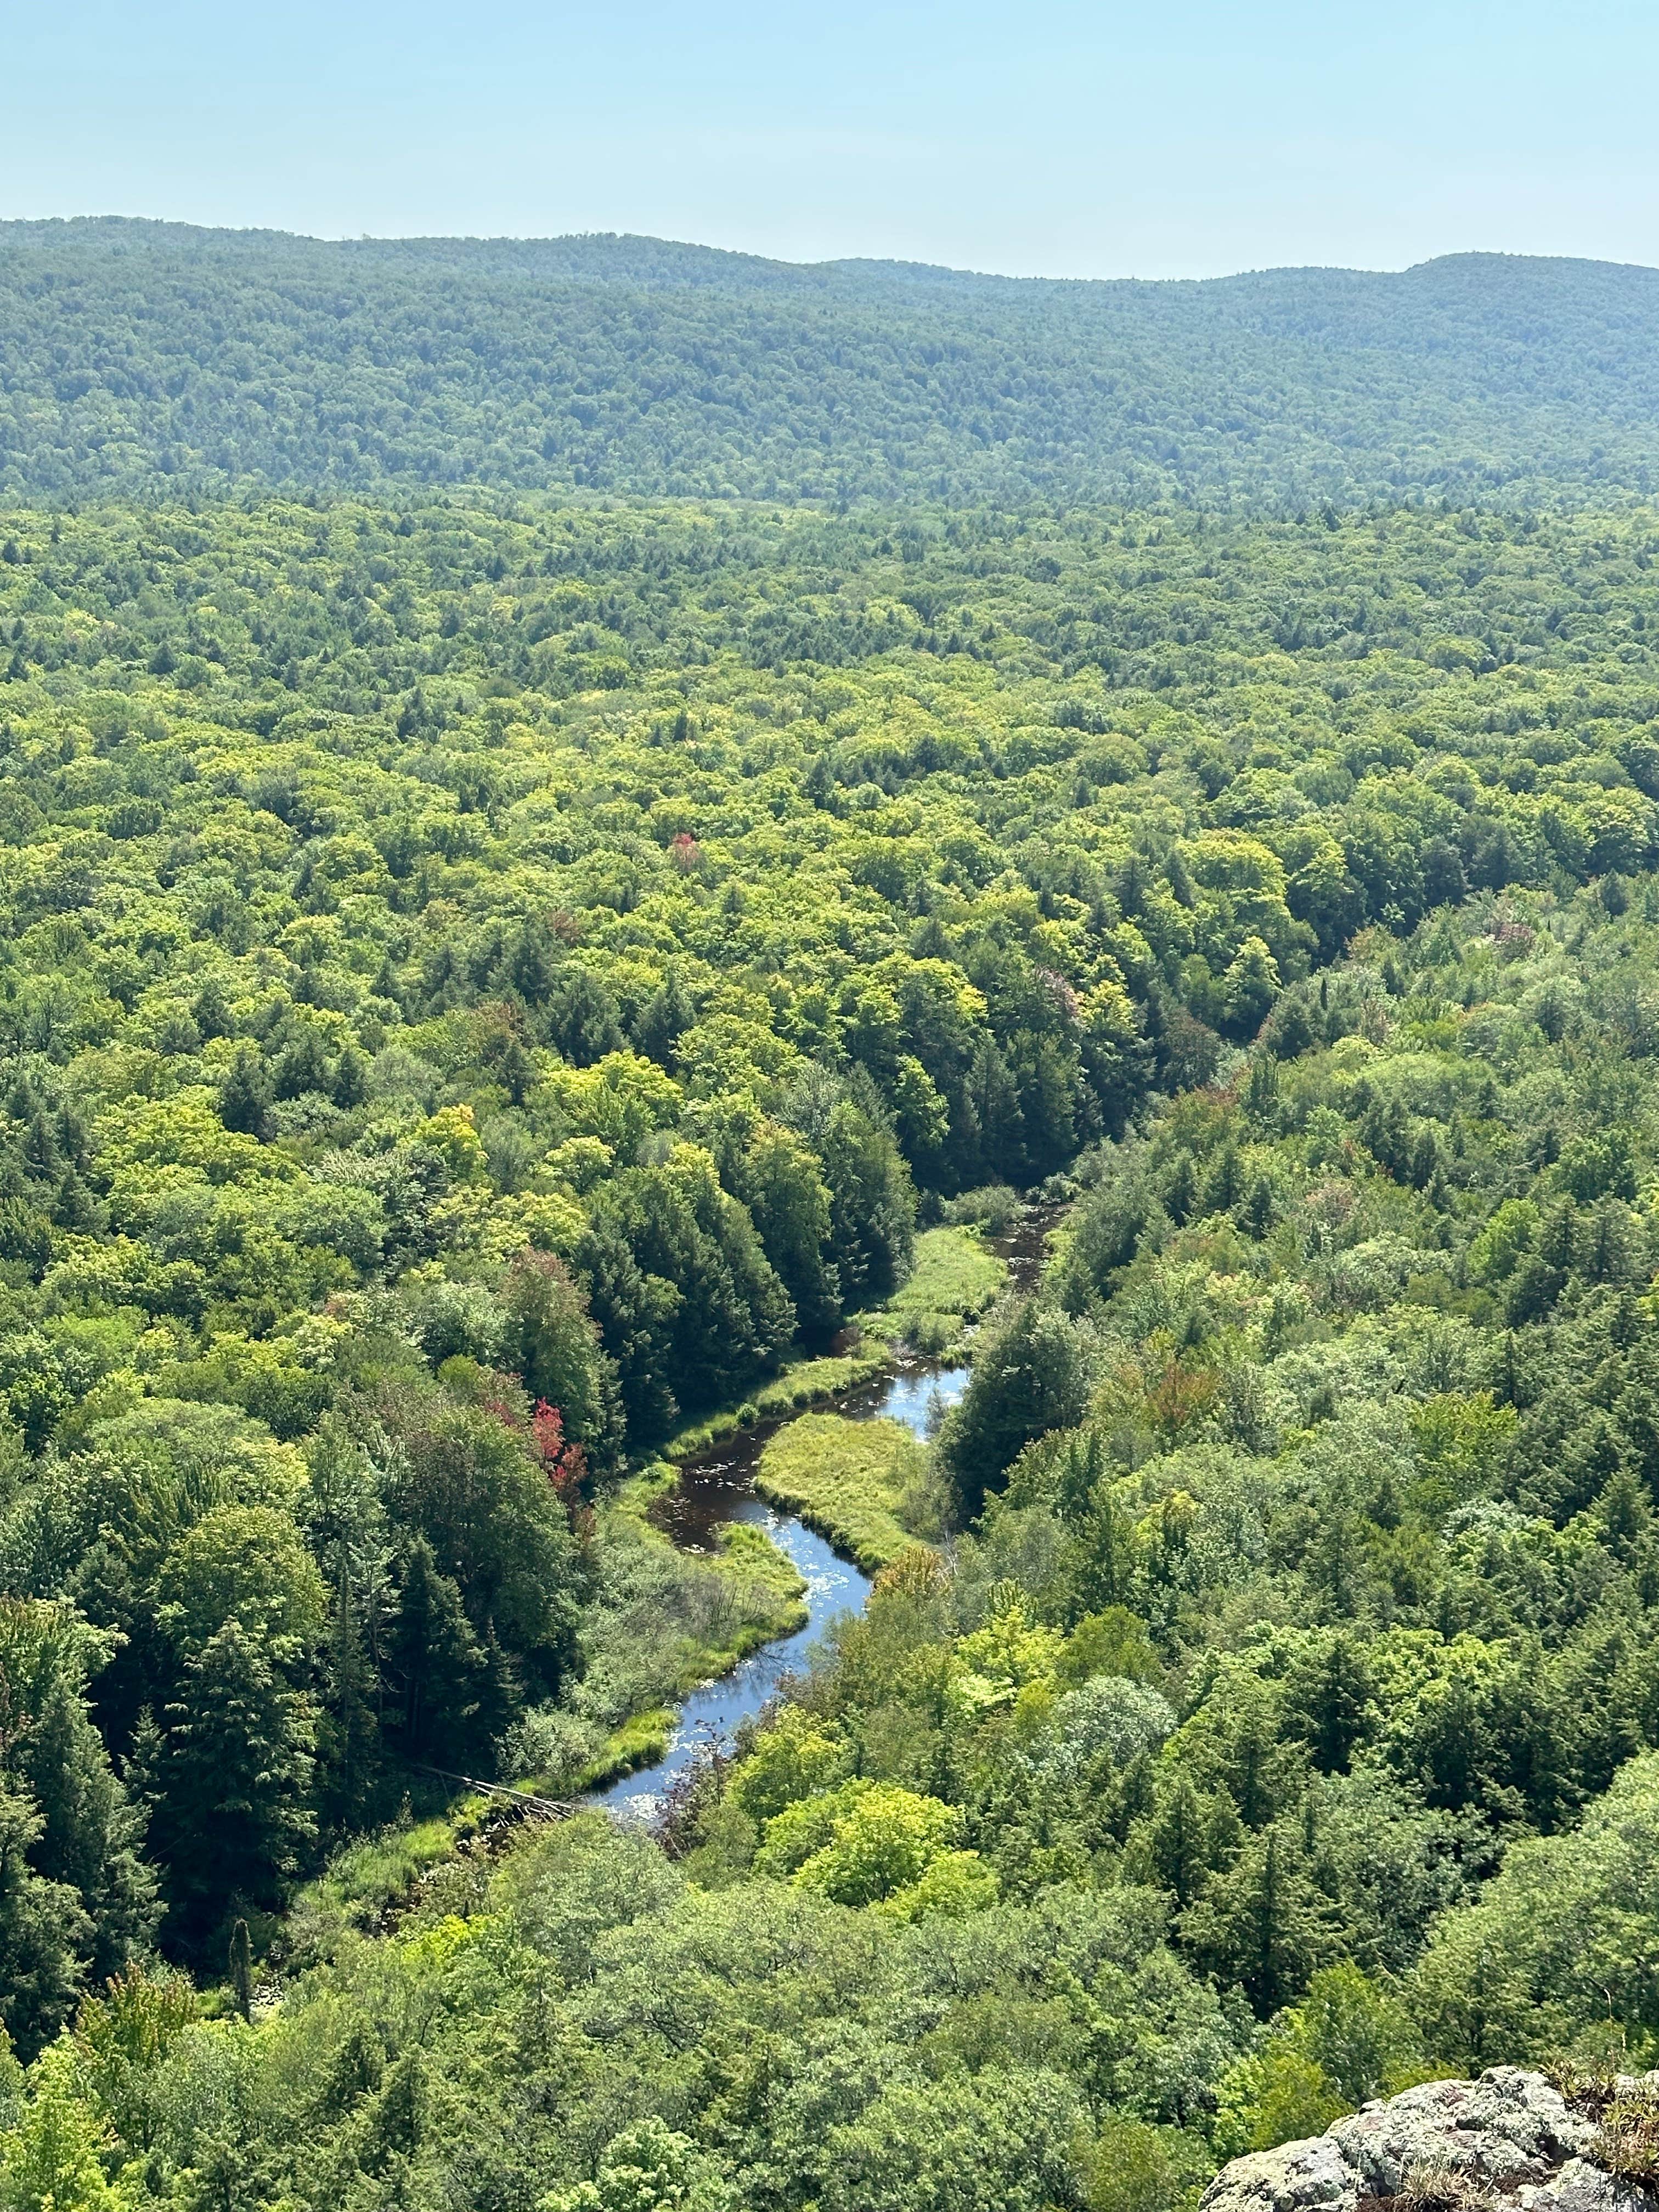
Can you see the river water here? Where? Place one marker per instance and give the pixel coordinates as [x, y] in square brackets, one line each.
[718, 1486]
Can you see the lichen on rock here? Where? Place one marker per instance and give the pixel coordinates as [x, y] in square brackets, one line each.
[1511, 2137]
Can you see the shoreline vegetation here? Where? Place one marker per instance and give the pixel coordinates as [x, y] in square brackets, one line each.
[376, 1879]
[847, 1480]
[862, 1485]
[851, 1479]
[955, 1279]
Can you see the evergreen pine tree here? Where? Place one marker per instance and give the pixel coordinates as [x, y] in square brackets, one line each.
[1264, 1924]
[236, 1775]
[436, 1661]
[241, 1961]
[245, 1098]
[45, 1935]
[1177, 1841]
[349, 1738]
[91, 1833]
[1328, 1698]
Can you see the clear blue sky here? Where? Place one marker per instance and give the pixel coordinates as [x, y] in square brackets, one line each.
[1173, 137]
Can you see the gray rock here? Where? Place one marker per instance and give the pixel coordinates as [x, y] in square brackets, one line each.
[1507, 2130]
[1581, 2187]
[1509, 2133]
[1295, 2177]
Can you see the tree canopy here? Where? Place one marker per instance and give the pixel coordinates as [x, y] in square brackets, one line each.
[145, 356]
[488, 986]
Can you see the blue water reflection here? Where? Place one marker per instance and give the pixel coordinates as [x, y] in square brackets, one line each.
[716, 1489]
[920, 1398]
[709, 1717]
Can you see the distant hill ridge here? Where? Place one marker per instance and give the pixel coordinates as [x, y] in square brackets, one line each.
[137, 354]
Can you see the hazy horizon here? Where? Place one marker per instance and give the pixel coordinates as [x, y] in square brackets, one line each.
[793, 261]
[1070, 140]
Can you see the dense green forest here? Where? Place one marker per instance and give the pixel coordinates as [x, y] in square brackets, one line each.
[135, 355]
[488, 986]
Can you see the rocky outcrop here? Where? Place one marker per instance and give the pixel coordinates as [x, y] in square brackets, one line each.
[1297, 2176]
[1509, 2138]
[1506, 2130]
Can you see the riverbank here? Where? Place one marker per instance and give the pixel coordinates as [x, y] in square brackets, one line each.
[707, 1722]
[828, 1462]
[720, 1589]
[862, 1484]
[766, 1591]
[957, 1277]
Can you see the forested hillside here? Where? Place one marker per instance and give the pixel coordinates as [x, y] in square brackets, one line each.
[486, 984]
[139, 356]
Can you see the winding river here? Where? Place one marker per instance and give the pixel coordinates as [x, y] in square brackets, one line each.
[718, 1486]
